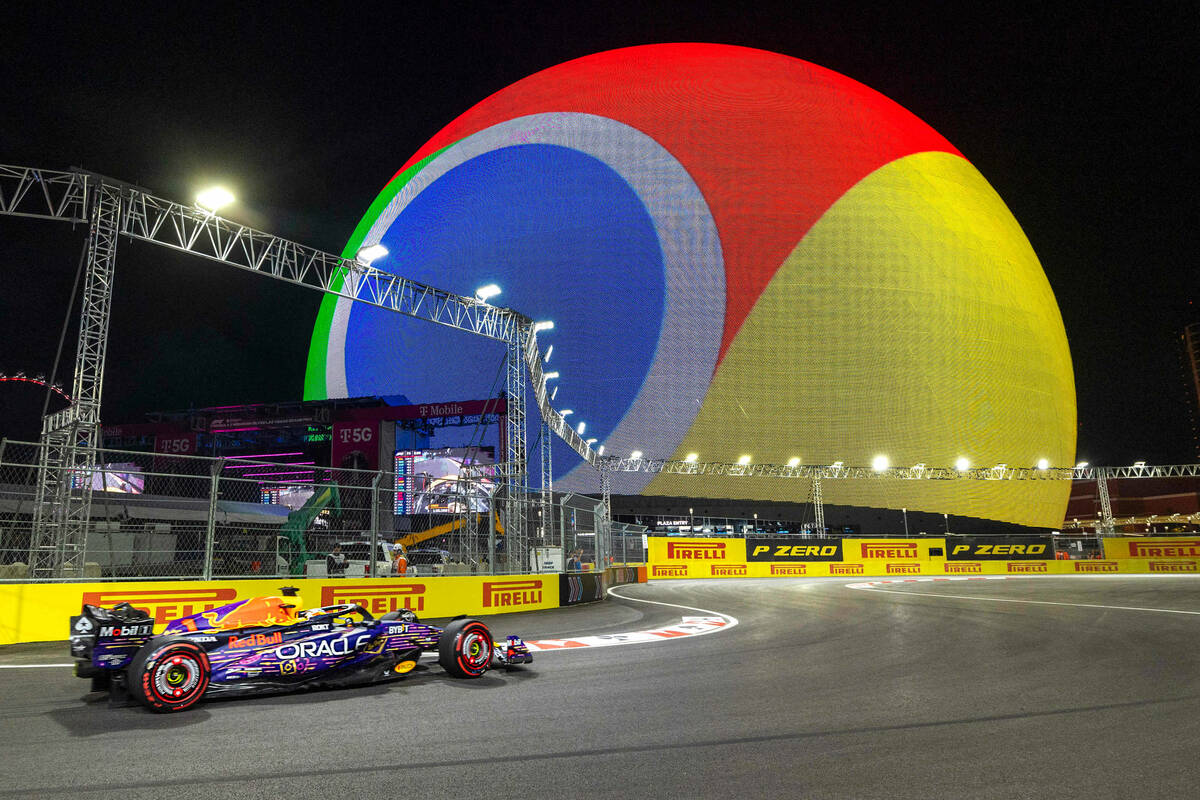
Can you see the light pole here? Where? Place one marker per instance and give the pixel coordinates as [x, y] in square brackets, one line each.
[756, 523]
[905, 512]
[947, 517]
[691, 521]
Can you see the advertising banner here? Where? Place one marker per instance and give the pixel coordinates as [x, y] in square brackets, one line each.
[999, 548]
[39, 612]
[786, 550]
[1156, 547]
[575, 589]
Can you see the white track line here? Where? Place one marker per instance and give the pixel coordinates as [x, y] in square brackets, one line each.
[32, 666]
[1027, 602]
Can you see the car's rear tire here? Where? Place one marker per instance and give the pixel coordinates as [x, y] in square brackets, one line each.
[465, 648]
[169, 676]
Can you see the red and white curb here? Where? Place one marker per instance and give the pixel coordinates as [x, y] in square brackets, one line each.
[869, 584]
[689, 626]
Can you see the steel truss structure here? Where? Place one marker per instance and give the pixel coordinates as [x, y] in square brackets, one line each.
[117, 209]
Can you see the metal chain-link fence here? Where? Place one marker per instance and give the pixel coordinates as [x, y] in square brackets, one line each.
[157, 515]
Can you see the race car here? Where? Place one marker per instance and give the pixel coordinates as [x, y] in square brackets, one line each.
[264, 644]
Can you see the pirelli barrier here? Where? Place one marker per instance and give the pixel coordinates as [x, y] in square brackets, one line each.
[32, 612]
[676, 557]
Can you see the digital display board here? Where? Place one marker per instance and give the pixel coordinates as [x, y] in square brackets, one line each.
[121, 478]
[429, 481]
[744, 254]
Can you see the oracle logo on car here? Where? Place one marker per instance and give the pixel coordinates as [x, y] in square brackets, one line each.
[1097, 566]
[884, 550]
[1173, 566]
[845, 569]
[1181, 548]
[511, 593]
[378, 598]
[696, 550]
[669, 571]
[789, 569]
[164, 604]
[1026, 566]
[728, 570]
[968, 567]
[904, 569]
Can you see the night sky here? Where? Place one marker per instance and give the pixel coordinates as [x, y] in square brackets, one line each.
[1078, 120]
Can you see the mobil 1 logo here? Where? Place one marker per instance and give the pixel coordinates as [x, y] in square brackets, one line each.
[999, 548]
[794, 549]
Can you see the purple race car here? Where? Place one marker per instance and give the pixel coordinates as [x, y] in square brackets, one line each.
[263, 645]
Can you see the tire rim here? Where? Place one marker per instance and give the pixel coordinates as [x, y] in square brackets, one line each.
[476, 650]
[177, 677]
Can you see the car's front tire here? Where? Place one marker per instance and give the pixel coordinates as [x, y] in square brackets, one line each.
[465, 648]
[169, 676]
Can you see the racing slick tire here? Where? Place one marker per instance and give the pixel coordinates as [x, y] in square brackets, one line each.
[169, 676]
[465, 648]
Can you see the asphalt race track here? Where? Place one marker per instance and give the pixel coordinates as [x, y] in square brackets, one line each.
[927, 689]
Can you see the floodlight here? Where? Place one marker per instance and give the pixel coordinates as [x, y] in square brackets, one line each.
[545, 325]
[880, 463]
[743, 460]
[691, 457]
[636, 454]
[962, 464]
[794, 461]
[370, 253]
[582, 427]
[549, 350]
[1043, 464]
[550, 376]
[214, 197]
[485, 293]
[566, 412]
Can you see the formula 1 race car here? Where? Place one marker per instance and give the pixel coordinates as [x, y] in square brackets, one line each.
[264, 645]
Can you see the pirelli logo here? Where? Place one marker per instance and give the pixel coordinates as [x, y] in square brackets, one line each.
[669, 571]
[502, 594]
[904, 569]
[789, 569]
[885, 550]
[1026, 566]
[964, 568]
[1097, 566]
[1180, 548]
[845, 569]
[1173, 566]
[164, 604]
[695, 550]
[378, 598]
[729, 570]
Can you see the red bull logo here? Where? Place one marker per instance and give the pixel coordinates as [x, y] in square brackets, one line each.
[1180, 548]
[1173, 566]
[904, 569]
[789, 569]
[964, 567]
[1097, 566]
[1026, 566]
[378, 598]
[255, 640]
[845, 569]
[884, 550]
[498, 594]
[164, 604]
[668, 571]
[696, 550]
[729, 570]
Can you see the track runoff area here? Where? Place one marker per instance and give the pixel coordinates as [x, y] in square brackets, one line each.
[1062, 686]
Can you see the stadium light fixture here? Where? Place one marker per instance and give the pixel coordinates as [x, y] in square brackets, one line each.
[591, 441]
[1139, 463]
[582, 427]
[1043, 464]
[837, 464]
[600, 450]
[691, 458]
[214, 197]
[485, 293]
[554, 394]
[549, 350]
[636, 454]
[880, 463]
[962, 464]
[566, 412]
[550, 376]
[794, 461]
[545, 325]
[369, 254]
[743, 460]
[1081, 465]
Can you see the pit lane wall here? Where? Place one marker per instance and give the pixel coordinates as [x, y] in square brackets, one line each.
[39, 612]
[678, 557]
